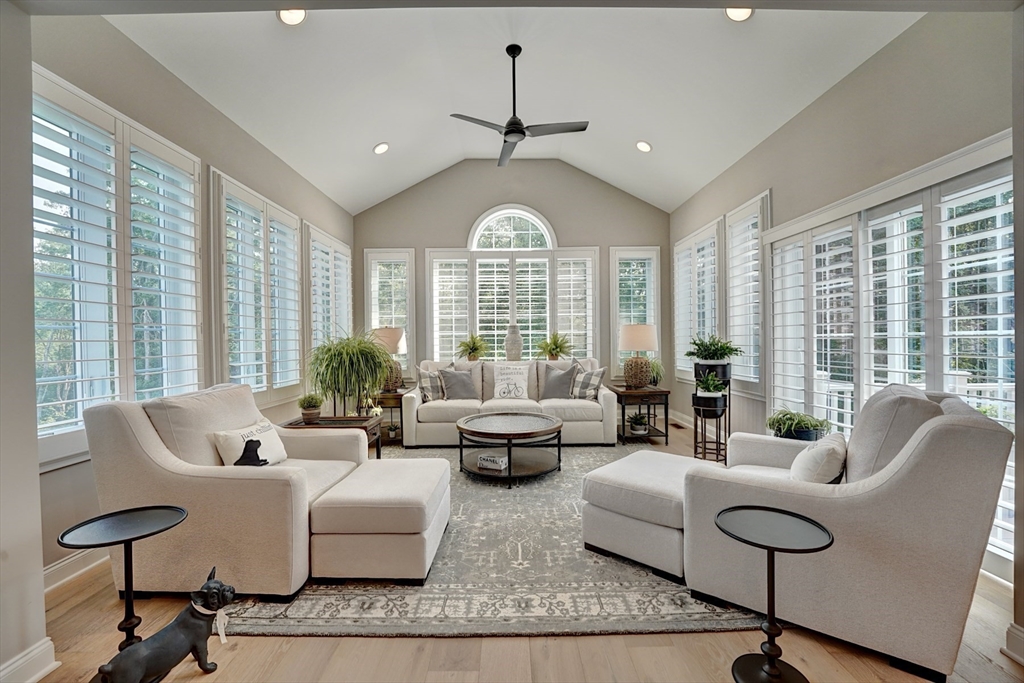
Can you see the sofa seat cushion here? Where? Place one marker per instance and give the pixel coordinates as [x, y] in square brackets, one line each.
[573, 409]
[321, 475]
[510, 405]
[763, 471]
[400, 496]
[447, 410]
[646, 485]
[885, 424]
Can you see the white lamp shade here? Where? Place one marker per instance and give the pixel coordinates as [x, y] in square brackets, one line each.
[389, 337]
[638, 338]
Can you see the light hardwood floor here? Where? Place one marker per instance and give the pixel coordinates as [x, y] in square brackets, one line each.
[82, 615]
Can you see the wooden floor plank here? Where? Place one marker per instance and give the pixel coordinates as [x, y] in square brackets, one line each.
[555, 660]
[668, 665]
[505, 660]
[455, 654]
[606, 660]
[407, 659]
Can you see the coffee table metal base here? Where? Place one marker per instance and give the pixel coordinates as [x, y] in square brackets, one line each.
[750, 668]
[526, 458]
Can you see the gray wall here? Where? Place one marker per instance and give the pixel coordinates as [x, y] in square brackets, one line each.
[22, 613]
[440, 211]
[94, 56]
[941, 85]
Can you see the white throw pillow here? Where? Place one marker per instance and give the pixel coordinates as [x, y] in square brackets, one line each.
[231, 443]
[821, 462]
[510, 381]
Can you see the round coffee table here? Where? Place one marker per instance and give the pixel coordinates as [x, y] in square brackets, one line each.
[520, 437]
[780, 531]
[124, 526]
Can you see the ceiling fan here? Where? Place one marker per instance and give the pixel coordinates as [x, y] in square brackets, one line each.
[514, 131]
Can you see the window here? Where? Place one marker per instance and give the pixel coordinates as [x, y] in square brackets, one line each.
[116, 282]
[635, 285]
[788, 360]
[511, 272]
[694, 281]
[743, 318]
[832, 278]
[261, 297]
[389, 295]
[330, 282]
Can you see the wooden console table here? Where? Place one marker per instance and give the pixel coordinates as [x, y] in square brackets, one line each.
[369, 424]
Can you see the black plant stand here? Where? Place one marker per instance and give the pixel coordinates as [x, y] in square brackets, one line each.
[124, 526]
[773, 530]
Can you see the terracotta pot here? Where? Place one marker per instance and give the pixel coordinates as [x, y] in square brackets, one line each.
[310, 417]
[552, 357]
[472, 357]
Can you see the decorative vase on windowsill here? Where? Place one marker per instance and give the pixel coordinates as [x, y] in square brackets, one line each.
[513, 343]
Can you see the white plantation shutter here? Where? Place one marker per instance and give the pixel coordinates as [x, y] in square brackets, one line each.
[789, 306]
[976, 252]
[330, 277]
[705, 294]
[744, 294]
[893, 296]
[451, 306]
[493, 301]
[390, 294]
[75, 230]
[575, 297]
[531, 302]
[682, 274]
[245, 298]
[342, 289]
[285, 303]
[832, 281]
[694, 272]
[165, 273]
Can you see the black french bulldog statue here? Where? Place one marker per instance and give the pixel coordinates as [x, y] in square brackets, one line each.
[251, 454]
[152, 659]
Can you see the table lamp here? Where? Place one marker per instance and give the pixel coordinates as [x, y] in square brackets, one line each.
[391, 339]
[637, 368]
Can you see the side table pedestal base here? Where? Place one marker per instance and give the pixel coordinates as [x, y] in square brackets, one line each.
[749, 669]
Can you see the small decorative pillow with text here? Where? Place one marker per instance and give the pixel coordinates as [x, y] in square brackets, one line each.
[250, 445]
[586, 385]
[821, 462]
[510, 381]
[431, 388]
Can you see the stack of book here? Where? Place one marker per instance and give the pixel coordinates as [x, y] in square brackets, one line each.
[489, 461]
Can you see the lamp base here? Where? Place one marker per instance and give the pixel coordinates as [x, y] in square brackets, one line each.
[395, 380]
[637, 372]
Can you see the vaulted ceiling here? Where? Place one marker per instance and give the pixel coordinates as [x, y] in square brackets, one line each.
[701, 89]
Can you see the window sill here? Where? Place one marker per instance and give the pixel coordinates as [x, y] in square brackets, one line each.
[62, 449]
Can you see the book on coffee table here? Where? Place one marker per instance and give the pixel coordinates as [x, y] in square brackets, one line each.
[492, 462]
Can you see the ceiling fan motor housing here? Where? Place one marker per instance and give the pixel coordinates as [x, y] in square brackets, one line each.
[515, 131]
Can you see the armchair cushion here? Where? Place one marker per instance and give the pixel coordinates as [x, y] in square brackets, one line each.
[321, 475]
[822, 461]
[231, 443]
[185, 423]
[885, 424]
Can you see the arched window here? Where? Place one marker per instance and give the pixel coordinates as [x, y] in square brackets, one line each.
[511, 228]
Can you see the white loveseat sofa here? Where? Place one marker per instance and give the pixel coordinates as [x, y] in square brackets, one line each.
[369, 519]
[433, 423]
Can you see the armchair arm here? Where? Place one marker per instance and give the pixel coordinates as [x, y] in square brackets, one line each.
[609, 415]
[411, 401]
[325, 444]
[761, 449]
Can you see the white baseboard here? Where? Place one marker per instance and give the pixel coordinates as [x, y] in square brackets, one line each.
[1014, 644]
[31, 665]
[76, 563]
[681, 419]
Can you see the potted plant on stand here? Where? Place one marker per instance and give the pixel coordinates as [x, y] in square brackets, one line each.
[711, 354]
[310, 404]
[473, 348]
[709, 398]
[349, 367]
[637, 424]
[788, 424]
[554, 347]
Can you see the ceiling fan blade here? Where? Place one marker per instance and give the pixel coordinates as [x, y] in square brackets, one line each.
[555, 128]
[506, 153]
[480, 122]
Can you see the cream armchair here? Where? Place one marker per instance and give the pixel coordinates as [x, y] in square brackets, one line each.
[251, 522]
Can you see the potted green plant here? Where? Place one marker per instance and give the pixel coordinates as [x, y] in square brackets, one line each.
[657, 371]
[349, 367]
[310, 404]
[712, 354]
[788, 424]
[473, 348]
[392, 430]
[637, 424]
[708, 401]
[554, 347]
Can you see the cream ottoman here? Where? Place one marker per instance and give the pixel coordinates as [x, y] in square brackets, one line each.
[633, 507]
[383, 521]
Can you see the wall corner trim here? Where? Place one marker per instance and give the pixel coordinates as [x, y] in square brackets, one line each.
[1014, 644]
[30, 665]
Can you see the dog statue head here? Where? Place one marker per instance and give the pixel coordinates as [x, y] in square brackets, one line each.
[214, 594]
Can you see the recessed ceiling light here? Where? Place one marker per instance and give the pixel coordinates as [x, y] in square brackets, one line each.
[643, 146]
[291, 17]
[738, 13]
[380, 148]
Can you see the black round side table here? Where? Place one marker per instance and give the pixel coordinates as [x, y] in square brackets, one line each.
[779, 531]
[124, 526]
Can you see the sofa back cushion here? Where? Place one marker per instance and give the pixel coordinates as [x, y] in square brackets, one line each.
[476, 371]
[186, 423]
[531, 378]
[885, 424]
[587, 364]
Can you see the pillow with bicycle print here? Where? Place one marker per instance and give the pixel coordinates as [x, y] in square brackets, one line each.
[510, 381]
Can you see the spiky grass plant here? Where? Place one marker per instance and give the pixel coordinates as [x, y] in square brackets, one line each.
[349, 367]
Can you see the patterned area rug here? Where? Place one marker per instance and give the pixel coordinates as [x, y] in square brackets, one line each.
[512, 562]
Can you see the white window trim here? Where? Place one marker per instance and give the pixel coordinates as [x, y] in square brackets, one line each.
[409, 256]
[309, 231]
[520, 209]
[69, 447]
[714, 228]
[471, 256]
[762, 205]
[614, 255]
